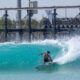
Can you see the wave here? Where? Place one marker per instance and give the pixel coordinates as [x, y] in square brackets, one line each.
[27, 55]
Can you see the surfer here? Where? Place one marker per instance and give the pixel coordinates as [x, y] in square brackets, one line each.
[47, 57]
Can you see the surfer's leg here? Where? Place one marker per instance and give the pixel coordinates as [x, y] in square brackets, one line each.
[46, 61]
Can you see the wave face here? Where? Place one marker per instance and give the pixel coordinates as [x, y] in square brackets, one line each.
[26, 56]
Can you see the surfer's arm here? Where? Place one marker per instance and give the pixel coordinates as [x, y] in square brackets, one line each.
[50, 58]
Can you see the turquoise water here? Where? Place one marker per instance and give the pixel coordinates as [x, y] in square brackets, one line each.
[18, 61]
[24, 56]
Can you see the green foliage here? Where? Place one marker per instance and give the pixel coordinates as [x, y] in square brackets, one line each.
[41, 22]
[35, 23]
[13, 24]
[1, 23]
[24, 23]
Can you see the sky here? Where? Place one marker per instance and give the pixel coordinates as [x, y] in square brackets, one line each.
[41, 13]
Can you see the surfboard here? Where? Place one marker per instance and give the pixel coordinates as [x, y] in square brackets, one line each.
[47, 65]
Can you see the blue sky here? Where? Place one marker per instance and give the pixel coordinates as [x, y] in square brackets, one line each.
[13, 3]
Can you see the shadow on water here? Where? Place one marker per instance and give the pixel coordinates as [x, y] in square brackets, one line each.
[75, 65]
[48, 68]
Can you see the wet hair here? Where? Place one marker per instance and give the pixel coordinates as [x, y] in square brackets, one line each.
[48, 52]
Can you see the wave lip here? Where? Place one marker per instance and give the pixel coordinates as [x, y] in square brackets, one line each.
[73, 51]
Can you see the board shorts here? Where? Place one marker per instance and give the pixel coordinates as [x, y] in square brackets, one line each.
[46, 60]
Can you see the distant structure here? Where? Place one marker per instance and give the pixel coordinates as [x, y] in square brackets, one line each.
[18, 21]
[50, 15]
[78, 16]
[49, 28]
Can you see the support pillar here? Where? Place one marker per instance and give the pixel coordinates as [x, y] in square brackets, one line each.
[6, 24]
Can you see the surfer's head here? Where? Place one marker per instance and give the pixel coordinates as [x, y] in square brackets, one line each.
[48, 52]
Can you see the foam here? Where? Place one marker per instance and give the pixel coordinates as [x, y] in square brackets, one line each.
[73, 51]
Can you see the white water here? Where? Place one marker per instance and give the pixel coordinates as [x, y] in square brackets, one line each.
[73, 51]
